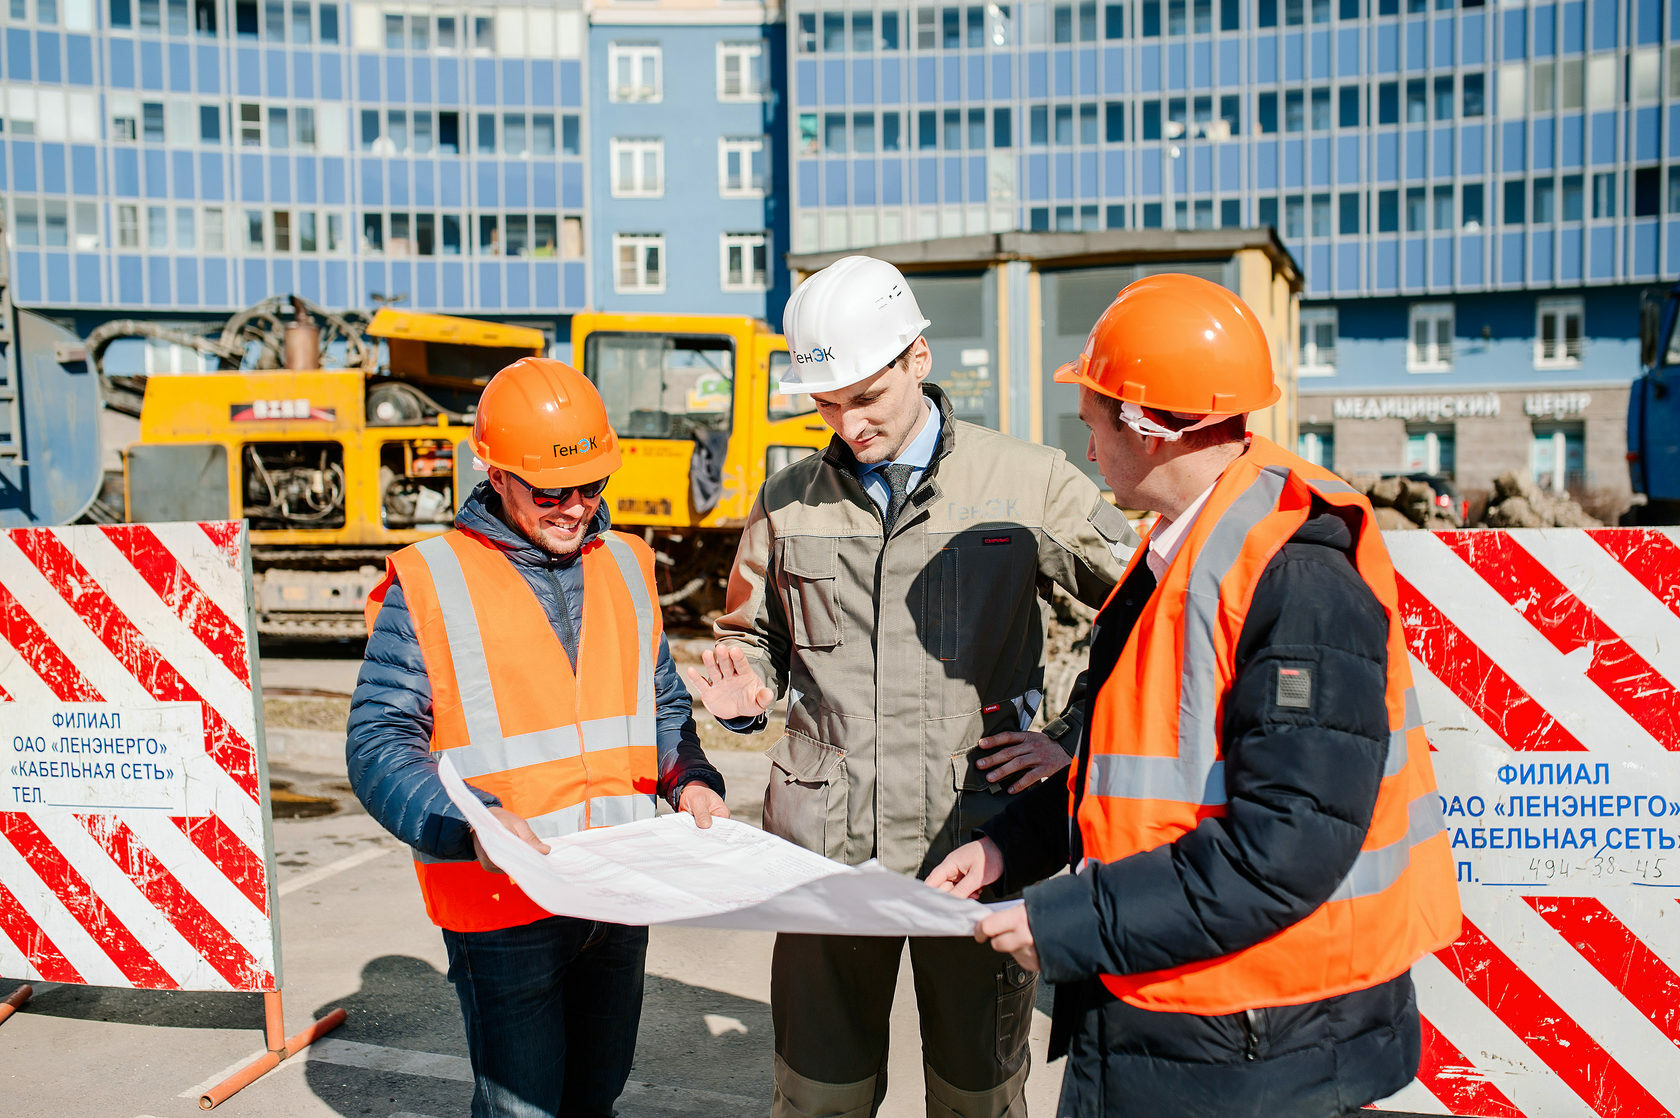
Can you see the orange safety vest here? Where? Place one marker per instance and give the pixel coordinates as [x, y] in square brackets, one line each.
[1156, 766]
[567, 751]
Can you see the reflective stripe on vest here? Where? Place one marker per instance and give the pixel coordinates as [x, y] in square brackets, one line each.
[1179, 662]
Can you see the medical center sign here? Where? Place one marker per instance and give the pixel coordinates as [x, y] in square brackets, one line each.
[1483, 405]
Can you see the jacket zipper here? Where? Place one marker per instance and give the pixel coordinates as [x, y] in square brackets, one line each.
[1251, 1026]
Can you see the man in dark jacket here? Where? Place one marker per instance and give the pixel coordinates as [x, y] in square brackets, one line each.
[1255, 830]
[551, 1004]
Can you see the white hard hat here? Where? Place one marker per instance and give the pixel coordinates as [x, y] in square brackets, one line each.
[846, 322]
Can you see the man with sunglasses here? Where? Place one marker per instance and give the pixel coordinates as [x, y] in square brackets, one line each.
[527, 644]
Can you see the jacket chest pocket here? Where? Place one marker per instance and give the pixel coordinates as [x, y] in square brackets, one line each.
[810, 566]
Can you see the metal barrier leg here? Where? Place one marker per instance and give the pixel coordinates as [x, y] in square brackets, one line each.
[13, 1001]
[280, 1046]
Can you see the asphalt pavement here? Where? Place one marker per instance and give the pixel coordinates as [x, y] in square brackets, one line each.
[353, 934]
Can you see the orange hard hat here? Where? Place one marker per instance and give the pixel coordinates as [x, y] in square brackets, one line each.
[543, 420]
[1176, 343]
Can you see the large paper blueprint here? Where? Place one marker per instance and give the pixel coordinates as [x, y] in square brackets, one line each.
[669, 871]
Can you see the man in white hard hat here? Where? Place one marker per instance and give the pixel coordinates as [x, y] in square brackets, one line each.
[888, 587]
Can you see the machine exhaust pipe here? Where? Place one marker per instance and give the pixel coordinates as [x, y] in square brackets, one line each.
[301, 347]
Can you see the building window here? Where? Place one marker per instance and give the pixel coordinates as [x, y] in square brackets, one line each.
[1557, 334]
[1429, 450]
[741, 167]
[1557, 456]
[638, 168]
[250, 125]
[1317, 445]
[1429, 349]
[633, 71]
[128, 226]
[640, 263]
[744, 261]
[740, 74]
[1318, 342]
[214, 237]
[157, 227]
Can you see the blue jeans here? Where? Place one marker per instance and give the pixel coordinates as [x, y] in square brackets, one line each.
[551, 1011]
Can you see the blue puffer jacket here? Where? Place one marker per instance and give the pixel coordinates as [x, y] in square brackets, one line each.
[387, 746]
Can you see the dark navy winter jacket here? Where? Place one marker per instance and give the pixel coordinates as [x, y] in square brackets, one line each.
[387, 747]
[1301, 788]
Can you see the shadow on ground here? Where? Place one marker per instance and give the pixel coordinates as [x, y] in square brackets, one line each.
[692, 1039]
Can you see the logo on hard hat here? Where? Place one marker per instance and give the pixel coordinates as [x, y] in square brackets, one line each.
[817, 354]
[582, 446]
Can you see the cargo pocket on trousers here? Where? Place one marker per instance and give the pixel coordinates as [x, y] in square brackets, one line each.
[1016, 989]
[805, 801]
[811, 564]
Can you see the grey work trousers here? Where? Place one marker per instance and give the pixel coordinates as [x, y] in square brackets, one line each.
[831, 998]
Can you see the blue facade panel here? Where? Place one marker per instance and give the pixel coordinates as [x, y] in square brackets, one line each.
[157, 174]
[89, 290]
[48, 60]
[79, 59]
[180, 69]
[181, 174]
[122, 64]
[1572, 140]
[53, 179]
[151, 66]
[84, 169]
[20, 59]
[247, 69]
[58, 277]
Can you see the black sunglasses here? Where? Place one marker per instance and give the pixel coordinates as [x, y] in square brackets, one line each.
[554, 498]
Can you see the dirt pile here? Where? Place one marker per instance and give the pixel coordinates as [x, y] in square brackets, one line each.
[1519, 503]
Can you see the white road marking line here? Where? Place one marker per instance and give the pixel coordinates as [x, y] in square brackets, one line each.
[198, 1089]
[403, 1061]
[642, 1098]
[348, 862]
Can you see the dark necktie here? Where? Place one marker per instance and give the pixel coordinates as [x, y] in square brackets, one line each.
[898, 489]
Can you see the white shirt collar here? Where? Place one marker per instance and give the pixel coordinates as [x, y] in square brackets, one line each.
[1165, 542]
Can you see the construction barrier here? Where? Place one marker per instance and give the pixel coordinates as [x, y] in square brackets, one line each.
[136, 845]
[1548, 674]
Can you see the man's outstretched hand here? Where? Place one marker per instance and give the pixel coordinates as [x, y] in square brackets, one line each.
[728, 686]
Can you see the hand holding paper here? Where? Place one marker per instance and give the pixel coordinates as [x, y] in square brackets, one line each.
[730, 875]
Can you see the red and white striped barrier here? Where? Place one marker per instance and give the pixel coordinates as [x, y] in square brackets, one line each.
[1548, 671]
[134, 821]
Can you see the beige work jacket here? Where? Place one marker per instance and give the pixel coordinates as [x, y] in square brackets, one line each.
[897, 655]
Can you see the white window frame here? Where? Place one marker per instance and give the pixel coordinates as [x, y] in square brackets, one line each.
[641, 242]
[1559, 438]
[745, 242]
[1431, 359]
[1560, 357]
[1311, 362]
[643, 60]
[638, 151]
[1312, 445]
[745, 147]
[750, 58]
[1432, 439]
